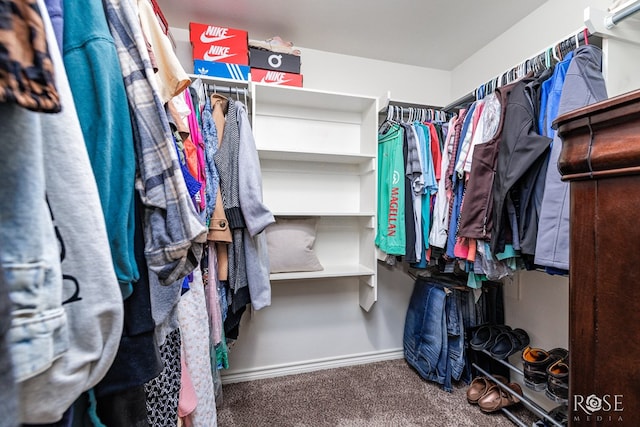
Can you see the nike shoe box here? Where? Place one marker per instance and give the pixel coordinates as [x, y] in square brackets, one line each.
[276, 61]
[276, 77]
[221, 69]
[219, 44]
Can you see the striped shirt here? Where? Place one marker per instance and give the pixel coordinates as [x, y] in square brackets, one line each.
[173, 232]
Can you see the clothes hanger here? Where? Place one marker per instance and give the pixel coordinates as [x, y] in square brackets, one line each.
[586, 36]
[216, 97]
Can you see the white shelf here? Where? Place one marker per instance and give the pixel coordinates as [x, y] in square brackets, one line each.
[320, 157]
[332, 271]
[326, 214]
[221, 80]
[312, 99]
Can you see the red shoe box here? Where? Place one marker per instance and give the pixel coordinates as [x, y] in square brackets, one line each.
[276, 77]
[214, 43]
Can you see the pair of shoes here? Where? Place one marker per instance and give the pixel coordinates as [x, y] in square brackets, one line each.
[508, 343]
[275, 44]
[536, 362]
[558, 381]
[480, 386]
[500, 340]
[497, 398]
[485, 336]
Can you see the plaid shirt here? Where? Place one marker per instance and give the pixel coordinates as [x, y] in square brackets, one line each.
[173, 232]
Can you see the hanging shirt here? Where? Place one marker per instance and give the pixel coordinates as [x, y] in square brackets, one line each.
[438, 233]
[550, 97]
[390, 236]
[584, 85]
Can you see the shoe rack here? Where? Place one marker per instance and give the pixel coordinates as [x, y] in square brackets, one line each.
[528, 403]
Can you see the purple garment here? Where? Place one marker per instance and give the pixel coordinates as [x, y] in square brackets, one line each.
[56, 14]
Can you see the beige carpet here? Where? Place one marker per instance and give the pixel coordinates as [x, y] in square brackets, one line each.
[382, 394]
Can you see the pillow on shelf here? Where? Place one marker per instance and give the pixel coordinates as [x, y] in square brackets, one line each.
[290, 244]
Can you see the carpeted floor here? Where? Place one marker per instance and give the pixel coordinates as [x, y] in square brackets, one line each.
[381, 394]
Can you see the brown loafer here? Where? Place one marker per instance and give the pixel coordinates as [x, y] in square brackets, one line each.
[496, 398]
[479, 387]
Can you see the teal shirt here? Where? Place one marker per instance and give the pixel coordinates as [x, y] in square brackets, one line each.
[95, 76]
[391, 237]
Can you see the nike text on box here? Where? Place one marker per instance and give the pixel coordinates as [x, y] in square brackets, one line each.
[216, 53]
[221, 69]
[216, 43]
[268, 60]
[276, 77]
[222, 36]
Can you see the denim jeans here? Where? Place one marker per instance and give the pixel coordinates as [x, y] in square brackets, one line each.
[29, 254]
[434, 333]
[455, 335]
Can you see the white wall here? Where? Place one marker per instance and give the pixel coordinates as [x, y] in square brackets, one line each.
[309, 326]
[539, 303]
[360, 76]
[536, 302]
[541, 29]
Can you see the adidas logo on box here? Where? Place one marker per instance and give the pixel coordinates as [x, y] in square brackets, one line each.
[221, 69]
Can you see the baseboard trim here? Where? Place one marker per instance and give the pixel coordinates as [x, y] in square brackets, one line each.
[309, 366]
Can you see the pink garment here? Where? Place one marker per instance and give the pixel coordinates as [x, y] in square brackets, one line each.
[436, 155]
[213, 300]
[188, 400]
[198, 142]
[194, 327]
[461, 248]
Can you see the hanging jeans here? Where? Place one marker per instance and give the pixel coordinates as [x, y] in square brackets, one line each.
[434, 333]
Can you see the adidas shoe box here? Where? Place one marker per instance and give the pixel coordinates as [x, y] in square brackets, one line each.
[276, 77]
[221, 69]
[276, 61]
[219, 44]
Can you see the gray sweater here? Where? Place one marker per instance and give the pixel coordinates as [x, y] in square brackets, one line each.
[583, 85]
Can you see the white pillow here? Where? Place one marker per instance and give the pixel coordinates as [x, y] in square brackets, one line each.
[290, 244]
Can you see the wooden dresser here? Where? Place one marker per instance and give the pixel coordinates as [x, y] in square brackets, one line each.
[601, 160]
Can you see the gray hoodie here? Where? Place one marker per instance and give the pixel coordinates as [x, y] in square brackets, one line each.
[93, 303]
[583, 85]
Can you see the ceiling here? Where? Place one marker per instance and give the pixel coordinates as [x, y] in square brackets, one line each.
[428, 33]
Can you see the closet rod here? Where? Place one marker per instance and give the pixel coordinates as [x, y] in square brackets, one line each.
[612, 20]
[470, 97]
[410, 105]
[463, 101]
[227, 89]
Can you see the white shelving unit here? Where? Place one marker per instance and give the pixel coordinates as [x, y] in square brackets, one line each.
[318, 155]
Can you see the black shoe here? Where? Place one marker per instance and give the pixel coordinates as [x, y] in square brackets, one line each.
[485, 336]
[535, 362]
[558, 381]
[558, 414]
[509, 342]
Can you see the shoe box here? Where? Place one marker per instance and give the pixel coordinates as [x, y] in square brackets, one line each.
[275, 61]
[219, 44]
[276, 77]
[221, 69]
